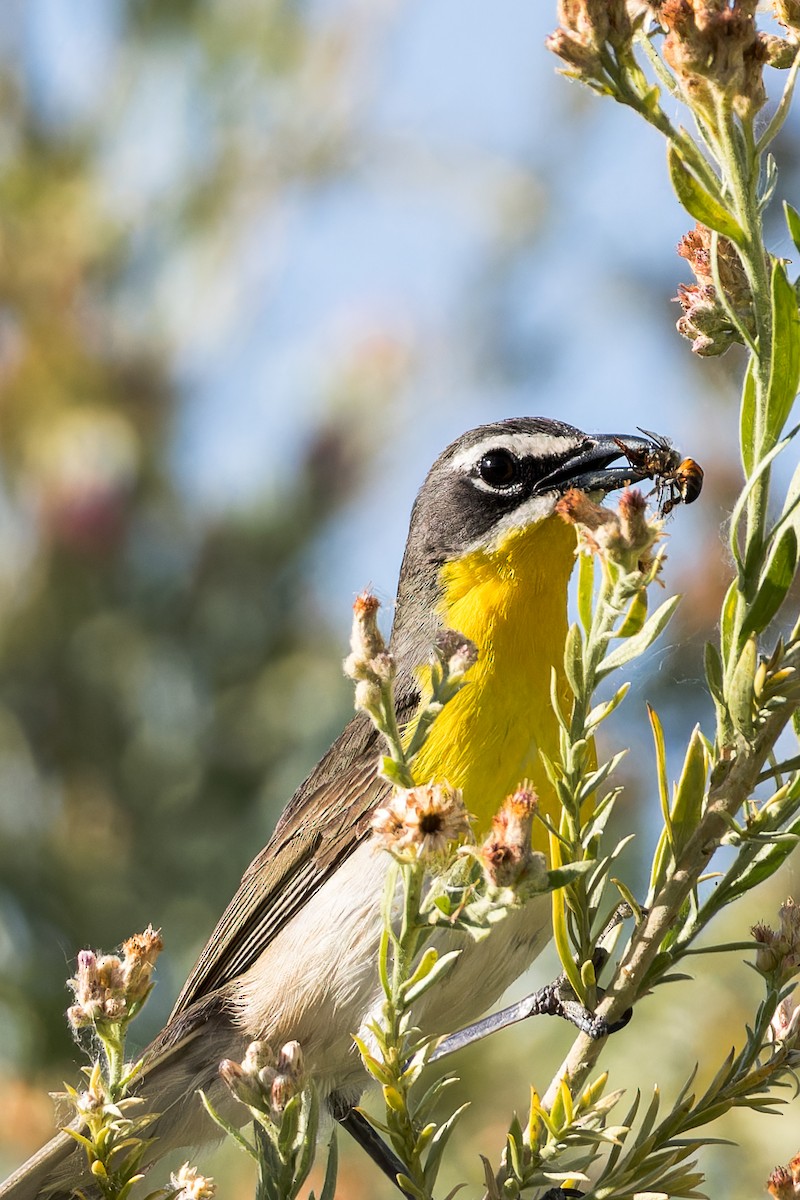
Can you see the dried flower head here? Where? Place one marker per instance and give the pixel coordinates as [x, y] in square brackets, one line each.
[625, 536]
[507, 854]
[107, 988]
[139, 957]
[99, 990]
[422, 822]
[191, 1185]
[778, 954]
[787, 14]
[780, 52]
[706, 321]
[784, 1182]
[714, 49]
[586, 29]
[785, 1023]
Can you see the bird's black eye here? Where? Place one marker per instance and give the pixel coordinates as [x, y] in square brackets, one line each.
[499, 468]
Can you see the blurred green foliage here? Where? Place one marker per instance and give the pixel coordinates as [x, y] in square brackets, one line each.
[163, 674]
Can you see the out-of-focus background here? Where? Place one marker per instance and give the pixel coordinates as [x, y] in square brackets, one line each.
[260, 260]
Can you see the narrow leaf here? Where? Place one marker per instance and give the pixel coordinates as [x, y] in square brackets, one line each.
[690, 792]
[698, 202]
[440, 968]
[728, 621]
[636, 615]
[747, 418]
[560, 935]
[784, 376]
[713, 664]
[585, 590]
[740, 691]
[601, 711]
[792, 223]
[641, 641]
[661, 766]
[573, 660]
[331, 1168]
[440, 1140]
[774, 585]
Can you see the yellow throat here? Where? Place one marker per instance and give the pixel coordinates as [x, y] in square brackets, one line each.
[512, 603]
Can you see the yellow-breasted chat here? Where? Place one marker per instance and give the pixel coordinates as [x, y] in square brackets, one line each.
[294, 955]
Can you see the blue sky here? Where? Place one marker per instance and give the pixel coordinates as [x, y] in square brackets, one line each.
[513, 233]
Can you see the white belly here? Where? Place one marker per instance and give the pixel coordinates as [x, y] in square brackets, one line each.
[317, 982]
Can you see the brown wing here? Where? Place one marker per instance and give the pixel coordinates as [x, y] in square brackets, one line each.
[328, 816]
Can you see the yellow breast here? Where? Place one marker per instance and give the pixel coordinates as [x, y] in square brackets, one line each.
[512, 603]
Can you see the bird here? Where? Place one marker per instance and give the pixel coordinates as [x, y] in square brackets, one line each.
[293, 956]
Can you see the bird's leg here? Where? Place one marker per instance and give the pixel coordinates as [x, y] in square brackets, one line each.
[554, 1000]
[368, 1139]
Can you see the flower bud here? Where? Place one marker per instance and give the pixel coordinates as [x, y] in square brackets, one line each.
[243, 1085]
[507, 854]
[456, 652]
[365, 637]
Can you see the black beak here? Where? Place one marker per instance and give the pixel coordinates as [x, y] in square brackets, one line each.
[590, 469]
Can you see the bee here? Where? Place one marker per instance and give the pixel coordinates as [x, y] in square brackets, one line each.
[677, 480]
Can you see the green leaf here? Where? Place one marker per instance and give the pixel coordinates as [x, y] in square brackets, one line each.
[331, 1168]
[601, 711]
[560, 935]
[440, 1140]
[713, 664]
[790, 514]
[716, 686]
[426, 963]
[408, 1185]
[740, 690]
[439, 968]
[755, 544]
[784, 372]
[773, 588]
[665, 842]
[688, 803]
[699, 203]
[585, 590]
[394, 772]
[636, 645]
[424, 1107]
[636, 615]
[765, 864]
[728, 620]
[573, 660]
[559, 877]
[747, 418]
[792, 223]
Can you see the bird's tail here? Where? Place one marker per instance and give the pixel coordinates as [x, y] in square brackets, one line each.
[33, 1179]
[181, 1060]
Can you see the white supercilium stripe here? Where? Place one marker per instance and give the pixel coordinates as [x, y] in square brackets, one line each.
[524, 445]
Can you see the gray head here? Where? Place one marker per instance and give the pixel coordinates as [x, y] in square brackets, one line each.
[494, 478]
